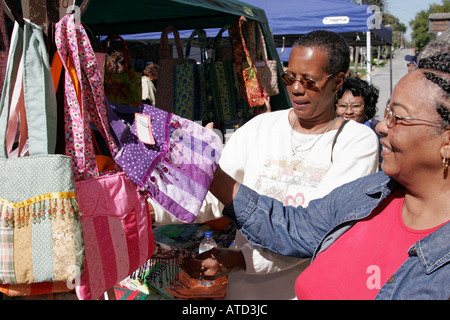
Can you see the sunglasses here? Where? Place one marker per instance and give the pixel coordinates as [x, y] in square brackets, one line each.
[391, 118]
[308, 83]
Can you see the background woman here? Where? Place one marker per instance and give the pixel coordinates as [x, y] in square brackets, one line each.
[149, 78]
[357, 100]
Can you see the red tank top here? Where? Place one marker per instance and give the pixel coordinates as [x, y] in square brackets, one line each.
[359, 262]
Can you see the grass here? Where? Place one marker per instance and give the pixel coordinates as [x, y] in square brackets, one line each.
[362, 70]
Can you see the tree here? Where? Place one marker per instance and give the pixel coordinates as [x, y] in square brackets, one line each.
[398, 29]
[420, 35]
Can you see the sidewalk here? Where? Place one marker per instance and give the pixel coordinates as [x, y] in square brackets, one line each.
[380, 77]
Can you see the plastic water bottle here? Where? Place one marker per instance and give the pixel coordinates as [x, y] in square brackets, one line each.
[206, 244]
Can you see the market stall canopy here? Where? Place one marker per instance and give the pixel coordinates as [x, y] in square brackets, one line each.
[104, 17]
[292, 18]
[137, 16]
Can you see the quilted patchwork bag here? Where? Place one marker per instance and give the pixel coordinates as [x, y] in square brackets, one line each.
[222, 80]
[41, 238]
[172, 159]
[190, 94]
[116, 224]
[165, 90]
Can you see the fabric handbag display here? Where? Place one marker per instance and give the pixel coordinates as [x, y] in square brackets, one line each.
[221, 73]
[116, 223]
[253, 91]
[166, 74]
[41, 238]
[190, 90]
[172, 159]
[267, 69]
[123, 86]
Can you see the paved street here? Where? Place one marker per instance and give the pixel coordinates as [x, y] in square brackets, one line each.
[381, 78]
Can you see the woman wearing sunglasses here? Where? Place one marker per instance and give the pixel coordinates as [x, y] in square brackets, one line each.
[288, 155]
[384, 236]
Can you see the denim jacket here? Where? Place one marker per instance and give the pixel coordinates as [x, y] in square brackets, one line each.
[305, 232]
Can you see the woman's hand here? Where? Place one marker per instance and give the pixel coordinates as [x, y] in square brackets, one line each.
[214, 263]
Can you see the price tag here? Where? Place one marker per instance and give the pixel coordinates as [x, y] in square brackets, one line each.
[144, 128]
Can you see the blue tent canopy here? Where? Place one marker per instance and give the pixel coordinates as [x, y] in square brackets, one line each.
[291, 18]
[300, 17]
[288, 19]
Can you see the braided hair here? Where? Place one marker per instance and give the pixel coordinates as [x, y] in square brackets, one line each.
[439, 63]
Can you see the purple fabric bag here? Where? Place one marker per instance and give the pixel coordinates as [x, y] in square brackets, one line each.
[177, 167]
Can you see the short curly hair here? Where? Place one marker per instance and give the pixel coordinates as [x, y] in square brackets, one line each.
[333, 44]
[151, 70]
[361, 88]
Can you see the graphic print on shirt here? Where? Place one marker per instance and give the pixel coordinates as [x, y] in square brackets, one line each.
[289, 182]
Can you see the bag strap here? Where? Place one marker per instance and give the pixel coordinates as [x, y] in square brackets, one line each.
[251, 39]
[217, 44]
[242, 29]
[75, 50]
[202, 38]
[336, 136]
[261, 51]
[17, 128]
[164, 43]
[28, 48]
[126, 51]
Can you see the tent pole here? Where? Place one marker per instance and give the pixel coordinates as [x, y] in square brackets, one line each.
[390, 66]
[368, 56]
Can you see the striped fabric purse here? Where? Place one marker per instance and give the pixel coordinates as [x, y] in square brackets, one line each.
[174, 164]
[116, 224]
[41, 239]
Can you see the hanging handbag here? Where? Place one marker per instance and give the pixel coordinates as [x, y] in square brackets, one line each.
[190, 94]
[267, 69]
[172, 159]
[166, 74]
[116, 223]
[41, 238]
[252, 90]
[125, 86]
[222, 82]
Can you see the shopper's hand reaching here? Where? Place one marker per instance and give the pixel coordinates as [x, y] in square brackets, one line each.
[214, 263]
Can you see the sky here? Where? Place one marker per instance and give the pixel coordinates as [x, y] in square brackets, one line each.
[406, 10]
